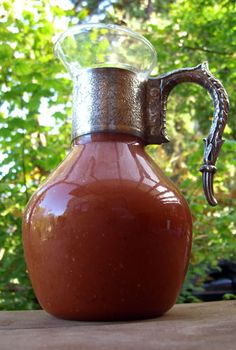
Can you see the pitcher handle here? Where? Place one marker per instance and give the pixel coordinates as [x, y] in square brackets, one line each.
[158, 90]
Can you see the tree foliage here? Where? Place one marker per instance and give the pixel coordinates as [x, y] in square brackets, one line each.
[36, 107]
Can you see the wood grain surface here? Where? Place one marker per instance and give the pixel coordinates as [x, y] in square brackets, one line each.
[208, 326]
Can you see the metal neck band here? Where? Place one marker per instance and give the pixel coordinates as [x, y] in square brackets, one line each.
[108, 99]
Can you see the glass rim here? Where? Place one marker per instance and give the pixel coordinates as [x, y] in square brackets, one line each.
[76, 29]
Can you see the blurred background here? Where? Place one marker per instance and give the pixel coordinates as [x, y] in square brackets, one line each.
[35, 117]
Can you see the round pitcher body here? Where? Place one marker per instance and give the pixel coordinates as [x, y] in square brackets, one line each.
[107, 236]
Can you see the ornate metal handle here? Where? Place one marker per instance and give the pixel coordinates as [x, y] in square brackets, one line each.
[158, 90]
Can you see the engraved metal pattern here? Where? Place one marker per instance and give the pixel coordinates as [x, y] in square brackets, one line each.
[108, 99]
[159, 88]
[155, 122]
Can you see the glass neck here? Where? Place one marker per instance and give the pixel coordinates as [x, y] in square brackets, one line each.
[107, 137]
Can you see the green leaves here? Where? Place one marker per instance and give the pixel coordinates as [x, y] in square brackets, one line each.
[29, 73]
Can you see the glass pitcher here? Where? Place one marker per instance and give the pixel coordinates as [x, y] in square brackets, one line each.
[108, 236]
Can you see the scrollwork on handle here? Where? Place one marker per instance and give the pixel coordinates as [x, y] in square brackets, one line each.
[159, 89]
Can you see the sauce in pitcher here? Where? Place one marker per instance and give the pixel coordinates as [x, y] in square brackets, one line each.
[107, 236]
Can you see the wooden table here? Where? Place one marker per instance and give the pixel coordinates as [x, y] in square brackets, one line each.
[208, 326]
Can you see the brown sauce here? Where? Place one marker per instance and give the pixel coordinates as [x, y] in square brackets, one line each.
[107, 236]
